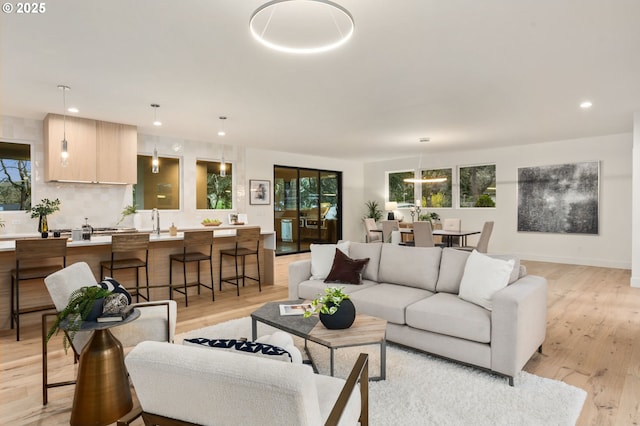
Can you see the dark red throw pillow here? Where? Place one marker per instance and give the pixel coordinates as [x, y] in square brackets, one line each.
[346, 270]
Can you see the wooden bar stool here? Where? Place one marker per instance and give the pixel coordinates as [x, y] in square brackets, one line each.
[31, 254]
[247, 243]
[193, 240]
[125, 249]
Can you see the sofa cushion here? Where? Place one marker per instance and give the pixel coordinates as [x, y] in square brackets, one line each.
[346, 270]
[322, 258]
[310, 289]
[370, 250]
[447, 314]
[410, 266]
[244, 347]
[452, 268]
[483, 276]
[387, 301]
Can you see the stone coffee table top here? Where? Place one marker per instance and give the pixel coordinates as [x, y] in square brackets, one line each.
[366, 330]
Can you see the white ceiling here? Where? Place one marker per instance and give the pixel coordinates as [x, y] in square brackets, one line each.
[466, 73]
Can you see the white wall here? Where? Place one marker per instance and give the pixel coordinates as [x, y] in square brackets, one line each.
[260, 166]
[611, 248]
[635, 227]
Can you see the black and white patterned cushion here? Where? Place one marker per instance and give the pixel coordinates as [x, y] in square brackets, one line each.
[246, 347]
[115, 287]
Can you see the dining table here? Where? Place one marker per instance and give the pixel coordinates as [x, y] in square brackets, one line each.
[447, 236]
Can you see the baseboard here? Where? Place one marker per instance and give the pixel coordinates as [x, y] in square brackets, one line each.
[603, 263]
[635, 282]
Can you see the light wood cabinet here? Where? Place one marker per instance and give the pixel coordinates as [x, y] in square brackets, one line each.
[99, 151]
[117, 149]
[81, 138]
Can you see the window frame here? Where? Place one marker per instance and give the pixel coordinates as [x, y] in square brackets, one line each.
[180, 181]
[460, 190]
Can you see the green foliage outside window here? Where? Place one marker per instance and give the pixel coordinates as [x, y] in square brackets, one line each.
[437, 194]
[15, 176]
[400, 191]
[478, 186]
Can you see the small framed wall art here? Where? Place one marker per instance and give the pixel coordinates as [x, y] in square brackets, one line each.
[260, 192]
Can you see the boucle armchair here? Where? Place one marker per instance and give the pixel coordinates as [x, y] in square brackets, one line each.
[186, 385]
[157, 320]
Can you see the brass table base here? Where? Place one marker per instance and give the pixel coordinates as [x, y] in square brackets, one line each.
[102, 393]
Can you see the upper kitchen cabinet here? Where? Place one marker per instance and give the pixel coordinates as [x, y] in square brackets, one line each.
[81, 137]
[99, 152]
[117, 150]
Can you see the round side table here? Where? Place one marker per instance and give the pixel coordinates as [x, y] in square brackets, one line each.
[102, 392]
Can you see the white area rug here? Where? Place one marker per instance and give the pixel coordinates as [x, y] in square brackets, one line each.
[424, 390]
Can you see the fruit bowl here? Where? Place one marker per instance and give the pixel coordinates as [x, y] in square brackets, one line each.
[208, 222]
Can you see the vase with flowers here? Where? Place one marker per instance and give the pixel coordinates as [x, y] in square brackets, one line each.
[336, 310]
[43, 209]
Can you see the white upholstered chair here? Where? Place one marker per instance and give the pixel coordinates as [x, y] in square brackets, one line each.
[483, 241]
[185, 385]
[452, 224]
[423, 234]
[157, 320]
[388, 227]
[370, 227]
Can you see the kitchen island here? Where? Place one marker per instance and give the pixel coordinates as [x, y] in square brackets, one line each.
[99, 249]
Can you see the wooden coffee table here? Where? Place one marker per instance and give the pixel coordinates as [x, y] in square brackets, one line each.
[366, 330]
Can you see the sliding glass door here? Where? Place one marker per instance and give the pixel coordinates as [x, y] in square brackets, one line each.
[307, 208]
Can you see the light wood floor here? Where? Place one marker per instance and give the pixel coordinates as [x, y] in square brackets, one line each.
[593, 342]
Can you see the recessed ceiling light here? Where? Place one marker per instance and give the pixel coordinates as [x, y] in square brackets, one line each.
[586, 104]
[73, 110]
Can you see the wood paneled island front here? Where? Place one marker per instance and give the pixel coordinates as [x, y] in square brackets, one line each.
[161, 246]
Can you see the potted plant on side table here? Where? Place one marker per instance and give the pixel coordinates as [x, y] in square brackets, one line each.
[336, 310]
[85, 304]
[41, 211]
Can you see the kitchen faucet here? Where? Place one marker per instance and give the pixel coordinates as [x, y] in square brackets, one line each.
[155, 221]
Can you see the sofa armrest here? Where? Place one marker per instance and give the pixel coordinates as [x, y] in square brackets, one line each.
[518, 323]
[299, 271]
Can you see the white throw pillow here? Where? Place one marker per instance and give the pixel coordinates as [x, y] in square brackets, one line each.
[322, 258]
[483, 276]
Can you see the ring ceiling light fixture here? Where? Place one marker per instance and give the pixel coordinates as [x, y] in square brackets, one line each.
[301, 26]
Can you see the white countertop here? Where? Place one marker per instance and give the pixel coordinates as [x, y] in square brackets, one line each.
[97, 240]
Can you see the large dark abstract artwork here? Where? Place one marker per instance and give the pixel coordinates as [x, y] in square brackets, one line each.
[561, 198]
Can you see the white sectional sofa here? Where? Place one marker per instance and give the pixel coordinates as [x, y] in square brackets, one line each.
[417, 291]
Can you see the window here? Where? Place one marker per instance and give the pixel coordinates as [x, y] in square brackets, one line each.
[15, 176]
[157, 190]
[400, 191]
[437, 193]
[478, 186]
[212, 190]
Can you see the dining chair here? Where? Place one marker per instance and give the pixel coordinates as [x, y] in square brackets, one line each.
[422, 234]
[192, 251]
[483, 241]
[127, 253]
[389, 226]
[157, 319]
[34, 262]
[247, 243]
[452, 224]
[370, 227]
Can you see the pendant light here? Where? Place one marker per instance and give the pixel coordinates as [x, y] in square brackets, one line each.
[222, 132]
[155, 162]
[64, 151]
[421, 179]
[301, 27]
